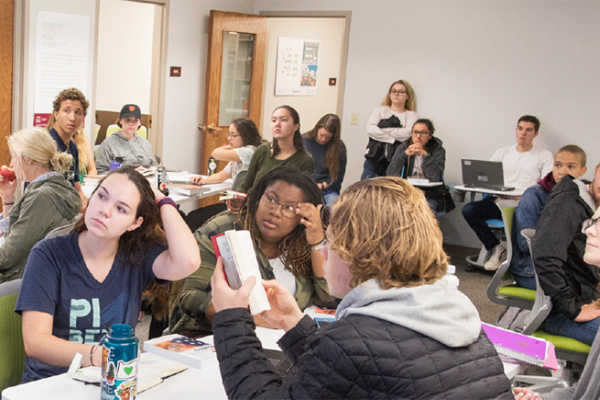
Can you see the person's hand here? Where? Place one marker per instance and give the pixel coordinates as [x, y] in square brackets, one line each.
[7, 190]
[526, 394]
[258, 321]
[284, 313]
[588, 313]
[234, 205]
[311, 219]
[223, 296]
[157, 193]
[198, 180]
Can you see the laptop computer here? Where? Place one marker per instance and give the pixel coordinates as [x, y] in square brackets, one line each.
[483, 174]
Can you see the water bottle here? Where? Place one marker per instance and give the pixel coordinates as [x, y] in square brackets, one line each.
[162, 179]
[119, 363]
[116, 163]
[213, 163]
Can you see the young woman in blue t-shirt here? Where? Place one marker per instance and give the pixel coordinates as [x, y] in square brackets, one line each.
[76, 286]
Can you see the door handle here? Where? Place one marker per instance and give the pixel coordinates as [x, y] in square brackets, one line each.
[212, 129]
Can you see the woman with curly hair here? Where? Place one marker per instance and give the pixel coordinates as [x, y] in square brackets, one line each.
[402, 330]
[76, 286]
[324, 143]
[282, 213]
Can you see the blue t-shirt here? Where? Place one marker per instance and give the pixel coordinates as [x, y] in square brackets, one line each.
[72, 175]
[57, 282]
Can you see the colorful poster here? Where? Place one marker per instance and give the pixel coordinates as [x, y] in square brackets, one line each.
[61, 58]
[297, 63]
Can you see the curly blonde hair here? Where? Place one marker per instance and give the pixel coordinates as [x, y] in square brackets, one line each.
[383, 229]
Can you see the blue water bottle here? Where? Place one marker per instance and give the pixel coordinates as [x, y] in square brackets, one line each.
[119, 363]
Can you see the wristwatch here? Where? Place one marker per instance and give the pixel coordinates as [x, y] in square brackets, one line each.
[319, 245]
[166, 200]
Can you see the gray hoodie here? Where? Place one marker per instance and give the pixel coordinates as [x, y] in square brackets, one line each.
[134, 152]
[438, 311]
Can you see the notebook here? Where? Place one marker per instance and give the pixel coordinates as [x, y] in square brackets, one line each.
[483, 174]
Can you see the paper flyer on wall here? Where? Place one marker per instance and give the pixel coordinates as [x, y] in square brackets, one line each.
[297, 64]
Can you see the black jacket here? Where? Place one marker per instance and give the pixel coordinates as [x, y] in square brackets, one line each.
[355, 357]
[558, 248]
[433, 163]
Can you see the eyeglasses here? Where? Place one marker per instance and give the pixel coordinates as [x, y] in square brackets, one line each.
[588, 223]
[232, 136]
[271, 203]
[421, 133]
[397, 92]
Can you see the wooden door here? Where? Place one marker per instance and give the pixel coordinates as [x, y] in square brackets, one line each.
[234, 78]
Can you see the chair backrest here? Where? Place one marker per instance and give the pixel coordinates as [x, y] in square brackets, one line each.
[112, 129]
[507, 209]
[239, 179]
[61, 230]
[143, 132]
[11, 336]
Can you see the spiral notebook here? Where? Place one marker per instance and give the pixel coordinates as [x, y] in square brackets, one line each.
[522, 348]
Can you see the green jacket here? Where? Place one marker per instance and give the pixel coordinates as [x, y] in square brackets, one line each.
[46, 205]
[196, 298]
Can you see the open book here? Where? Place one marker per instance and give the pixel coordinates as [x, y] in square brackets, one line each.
[232, 194]
[152, 370]
[239, 261]
[522, 348]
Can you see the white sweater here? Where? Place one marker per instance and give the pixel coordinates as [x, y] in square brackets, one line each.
[523, 170]
[390, 135]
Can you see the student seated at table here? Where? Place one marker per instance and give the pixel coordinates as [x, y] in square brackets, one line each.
[568, 160]
[243, 138]
[282, 214]
[48, 200]
[76, 286]
[126, 146]
[328, 150]
[523, 165]
[401, 331]
[558, 249]
[588, 386]
[422, 156]
[287, 149]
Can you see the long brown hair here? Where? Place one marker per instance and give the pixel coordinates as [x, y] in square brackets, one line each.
[331, 123]
[298, 142]
[133, 245]
[294, 249]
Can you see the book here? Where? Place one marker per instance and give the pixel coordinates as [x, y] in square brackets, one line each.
[232, 194]
[152, 371]
[239, 261]
[522, 348]
[186, 189]
[417, 181]
[183, 349]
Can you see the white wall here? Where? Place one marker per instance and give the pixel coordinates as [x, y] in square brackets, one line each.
[125, 30]
[184, 97]
[476, 67]
[329, 31]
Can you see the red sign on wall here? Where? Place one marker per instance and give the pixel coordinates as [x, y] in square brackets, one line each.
[41, 120]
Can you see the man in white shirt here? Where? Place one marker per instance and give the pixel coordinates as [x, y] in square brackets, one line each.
[523, 165]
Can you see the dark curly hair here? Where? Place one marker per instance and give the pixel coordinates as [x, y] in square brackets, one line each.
[133, 245]
[295, 251]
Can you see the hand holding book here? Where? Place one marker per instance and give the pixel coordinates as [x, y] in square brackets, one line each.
[284, 313]
[223, 296]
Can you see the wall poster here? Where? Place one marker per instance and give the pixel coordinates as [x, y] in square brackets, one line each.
[297, 63]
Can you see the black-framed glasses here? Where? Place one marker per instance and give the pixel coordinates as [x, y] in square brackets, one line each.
[272, 203]
[397, 92]
[421, 133]
[232, 135]
[588, 223]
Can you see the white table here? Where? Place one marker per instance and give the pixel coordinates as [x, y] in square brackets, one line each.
[91, 183]
[475, 190]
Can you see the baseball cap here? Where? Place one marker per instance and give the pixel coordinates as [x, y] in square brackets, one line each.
[130, 110]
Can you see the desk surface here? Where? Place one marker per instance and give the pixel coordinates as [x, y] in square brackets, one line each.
[516, 192]
[188, 384]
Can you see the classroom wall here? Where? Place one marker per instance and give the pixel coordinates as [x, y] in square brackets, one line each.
[330, 33]
[184, 96]
[119, 47]
[476, 67]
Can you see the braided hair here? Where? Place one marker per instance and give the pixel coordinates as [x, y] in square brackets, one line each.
[294, 250]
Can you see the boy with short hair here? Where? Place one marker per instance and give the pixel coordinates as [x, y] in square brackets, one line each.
[568, 160]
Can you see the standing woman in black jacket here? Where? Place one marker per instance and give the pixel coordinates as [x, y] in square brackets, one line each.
[401, 331]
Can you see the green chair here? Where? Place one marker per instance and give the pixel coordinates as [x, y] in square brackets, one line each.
[11, 336]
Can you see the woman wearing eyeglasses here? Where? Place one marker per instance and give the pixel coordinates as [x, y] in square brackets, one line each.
[243, 138]
[283, 215]
[388, 126]
[422, 156]
[588, 386]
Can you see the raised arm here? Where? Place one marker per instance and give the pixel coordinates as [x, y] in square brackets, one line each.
[226, 153]
[182, 258]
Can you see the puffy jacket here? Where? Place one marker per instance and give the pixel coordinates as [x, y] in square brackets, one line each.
[355, 357]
